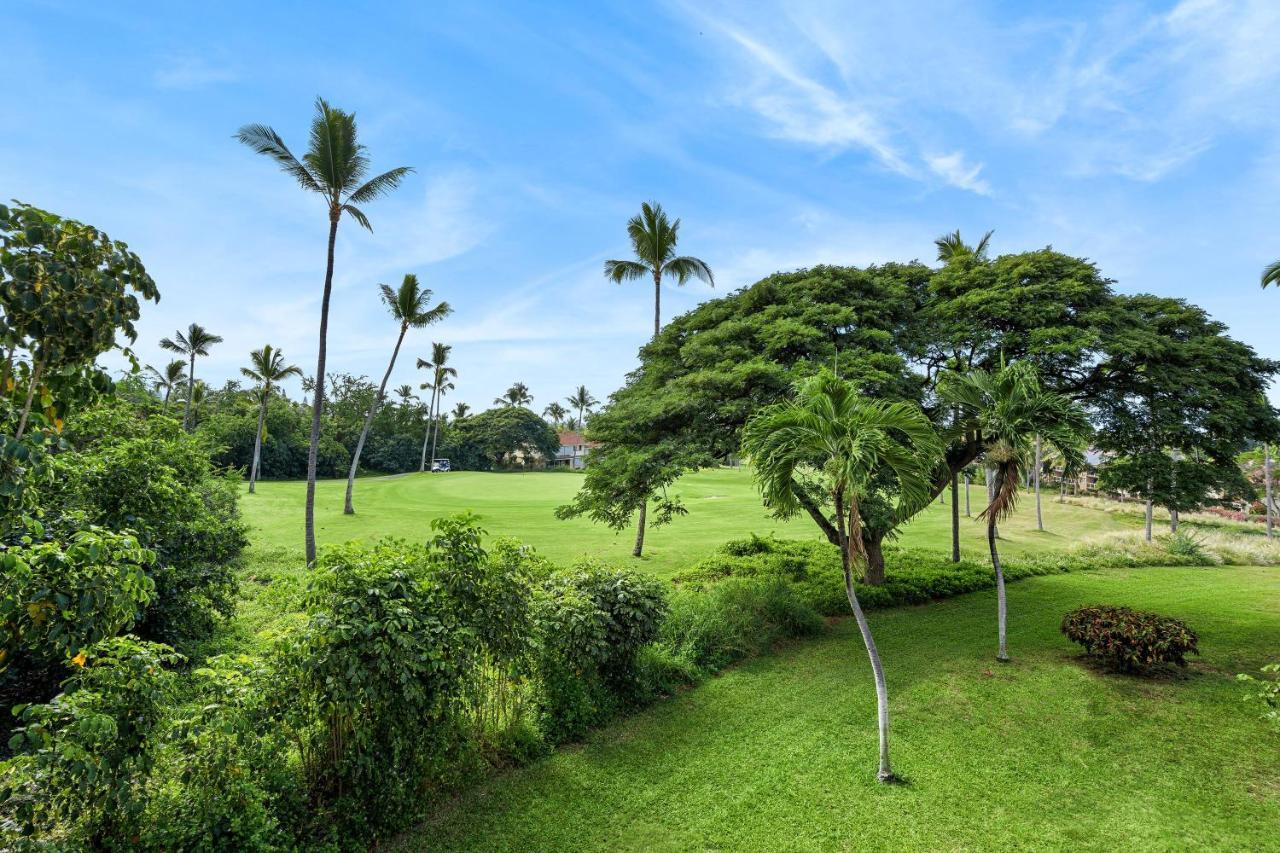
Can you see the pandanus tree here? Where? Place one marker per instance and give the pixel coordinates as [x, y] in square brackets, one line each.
[411, 308]
[440, 374]
[582, 401]
[336, 168]
[268, 369]
[833, 445]
[1007, 409]
[196, 341]
[517, 395]
[556, 413]
[169, 379]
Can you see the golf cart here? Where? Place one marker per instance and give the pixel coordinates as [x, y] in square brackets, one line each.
[439, 465]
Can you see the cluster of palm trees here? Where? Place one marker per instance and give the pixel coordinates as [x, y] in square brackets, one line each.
[828, 433]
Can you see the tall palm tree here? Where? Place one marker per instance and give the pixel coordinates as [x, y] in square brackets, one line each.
[335, 168]
[196, 397]
[196, 341]
[410, 307]
[517, 395]
[1008, 408]
[653, 238]
[268, 369]
[460, 411]
[555, 412]
[439, 371]
[582, 401]
[406, 395]
[169, 379]
[831, 434]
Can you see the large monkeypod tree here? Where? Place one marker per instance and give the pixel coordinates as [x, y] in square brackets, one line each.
[891, 330]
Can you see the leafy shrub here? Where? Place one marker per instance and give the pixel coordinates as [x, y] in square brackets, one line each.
[82, 759]
[571, 633]
[148, 476]
[1267, 692]
[224, 780]
[373, 685]
[1130, 640]
[734, 619]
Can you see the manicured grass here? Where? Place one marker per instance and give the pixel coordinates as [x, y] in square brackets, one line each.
[1045, 752]
[723, 505]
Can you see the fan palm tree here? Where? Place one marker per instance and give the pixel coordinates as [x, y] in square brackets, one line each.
[267, 369]
[517, 395]
[439, 371]
[169, 379]
[410, 307]
[195, 341]
[1008, 408]
[653, 238]
[582, 401]
[336, 168]
[555, 412]
[831, 435]
[460, 411]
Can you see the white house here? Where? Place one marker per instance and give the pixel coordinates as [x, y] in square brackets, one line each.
[574, 448]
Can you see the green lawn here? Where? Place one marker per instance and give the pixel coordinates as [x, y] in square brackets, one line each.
[1043, 753]
[723, 505]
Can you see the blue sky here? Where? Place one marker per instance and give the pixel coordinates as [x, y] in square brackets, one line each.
[1141, 135]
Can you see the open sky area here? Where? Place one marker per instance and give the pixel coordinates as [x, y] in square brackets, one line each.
[1141, 135]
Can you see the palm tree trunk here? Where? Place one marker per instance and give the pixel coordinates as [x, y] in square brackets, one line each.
[967, 484]
[435, 429]
[348, 508]
[313, 451]
[191, 388]
[955, 517]
[426, 436]
[1036, 475]
[991, 491]
[644, 511]
[168, 390]
[848, 556]
[1173, 492]
[1266, 475]
[657, 301]
[257, 440]
[1002, 654]
[873, 572]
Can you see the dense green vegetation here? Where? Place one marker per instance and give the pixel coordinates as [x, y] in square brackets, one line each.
[1051, 751]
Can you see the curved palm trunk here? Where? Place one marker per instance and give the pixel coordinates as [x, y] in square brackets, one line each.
[317, 402]
[955, 518]
[257, 439]
[168, 392]
[1036, 475]
[644, 511]
[850, 537]
[1003, 653]
[348, 508]
[191, 387]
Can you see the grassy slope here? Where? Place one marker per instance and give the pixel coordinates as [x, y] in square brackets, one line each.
[722, 504]
[1045, 752]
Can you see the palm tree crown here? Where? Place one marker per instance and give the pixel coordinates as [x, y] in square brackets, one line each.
[335, 165]
[517, 395]
[653, 239]
[581, 400]
[196, 341]
[169, 379]
[1271, 275]
[409, 304]
[267, 367]
[555, 412]
[951, 247]
[460, 411]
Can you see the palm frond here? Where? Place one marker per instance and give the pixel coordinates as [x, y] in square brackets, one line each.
[620, 271]
[377, 187]
[685, 268]
[358, 215]
[264, 140]
[1271, 275]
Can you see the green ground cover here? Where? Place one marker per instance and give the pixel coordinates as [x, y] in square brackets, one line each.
[1043, 753]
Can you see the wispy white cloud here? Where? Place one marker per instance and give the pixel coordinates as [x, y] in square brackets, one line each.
[192, 72]
[956, 171]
